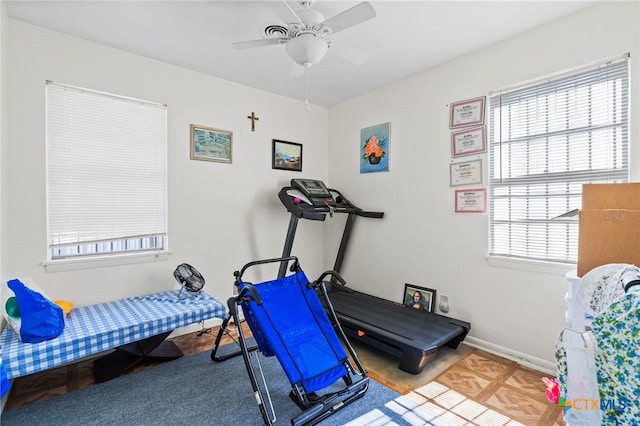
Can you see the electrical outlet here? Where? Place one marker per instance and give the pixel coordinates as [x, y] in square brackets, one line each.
[444, 304]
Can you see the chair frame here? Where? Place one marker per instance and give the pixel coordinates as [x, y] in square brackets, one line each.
[315, 408]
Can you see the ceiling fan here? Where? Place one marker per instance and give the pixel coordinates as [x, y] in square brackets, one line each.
[307, 34]
[308, 39]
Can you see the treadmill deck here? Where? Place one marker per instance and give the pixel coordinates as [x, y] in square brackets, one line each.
[412, 335]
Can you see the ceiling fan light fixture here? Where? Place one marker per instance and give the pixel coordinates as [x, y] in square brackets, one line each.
[307, 49]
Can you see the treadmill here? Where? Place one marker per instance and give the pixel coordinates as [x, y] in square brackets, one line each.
[411, 335]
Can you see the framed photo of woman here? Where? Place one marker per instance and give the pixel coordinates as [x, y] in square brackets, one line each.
[420, 298]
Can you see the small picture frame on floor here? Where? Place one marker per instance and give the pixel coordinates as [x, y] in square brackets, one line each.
[420, 298]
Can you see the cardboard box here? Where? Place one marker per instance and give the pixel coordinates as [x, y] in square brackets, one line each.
[609, 225]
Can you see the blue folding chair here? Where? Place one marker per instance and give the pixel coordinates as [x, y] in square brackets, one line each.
[288, 321]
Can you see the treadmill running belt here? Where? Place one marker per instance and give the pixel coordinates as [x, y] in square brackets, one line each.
[413, 333]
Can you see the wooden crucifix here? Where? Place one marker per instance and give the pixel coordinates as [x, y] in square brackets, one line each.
[253, 119]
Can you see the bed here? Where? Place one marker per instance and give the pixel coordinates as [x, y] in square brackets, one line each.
[136, 327]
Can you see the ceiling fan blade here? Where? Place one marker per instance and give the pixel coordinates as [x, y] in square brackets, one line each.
[350, 17]
[258, 43]
[286, 12]
[348, 53]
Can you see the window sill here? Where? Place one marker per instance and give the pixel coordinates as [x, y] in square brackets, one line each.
[101, 262]
[530, 265]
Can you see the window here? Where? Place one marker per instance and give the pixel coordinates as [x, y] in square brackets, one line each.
[546, 139]
[106, 174]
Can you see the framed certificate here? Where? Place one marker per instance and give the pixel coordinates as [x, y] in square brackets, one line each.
[468, 141]
[471, 200]
[467, 113]
[465, 173]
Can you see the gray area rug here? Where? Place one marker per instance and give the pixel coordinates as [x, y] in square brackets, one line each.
[192, 390]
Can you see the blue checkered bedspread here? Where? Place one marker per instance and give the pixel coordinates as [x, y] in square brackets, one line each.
[96, 328]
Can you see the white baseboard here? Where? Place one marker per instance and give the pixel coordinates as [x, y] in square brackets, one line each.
[523, 359]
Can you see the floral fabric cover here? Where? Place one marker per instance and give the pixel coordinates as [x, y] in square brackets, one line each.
[617, 331]
[603, 362]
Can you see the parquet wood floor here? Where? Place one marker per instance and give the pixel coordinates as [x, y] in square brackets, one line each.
[505, 390]
[466, 386]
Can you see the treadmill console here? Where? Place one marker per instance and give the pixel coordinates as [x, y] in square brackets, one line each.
[315, 191]
[311, 199]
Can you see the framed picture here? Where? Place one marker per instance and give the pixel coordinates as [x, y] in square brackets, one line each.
[471, 200]
[467, 113]
[465, 173]
[286, 155]
[420, 298]
[468, 141]
[209, 144]
[374, 148]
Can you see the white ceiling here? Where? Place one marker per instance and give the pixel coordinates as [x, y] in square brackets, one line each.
[404, 38]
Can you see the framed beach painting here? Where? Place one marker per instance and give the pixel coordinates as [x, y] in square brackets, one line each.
[286, 155]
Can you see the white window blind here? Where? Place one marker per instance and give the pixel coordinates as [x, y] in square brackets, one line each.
[546, 139]
[106, 173]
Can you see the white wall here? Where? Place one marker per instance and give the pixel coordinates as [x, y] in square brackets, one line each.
[3, 129]
[515, 308]
[220, 215]
[3, 168]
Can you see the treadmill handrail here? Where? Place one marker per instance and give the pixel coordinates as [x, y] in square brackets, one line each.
[357, 210]
[374, 215]
[340, 205]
